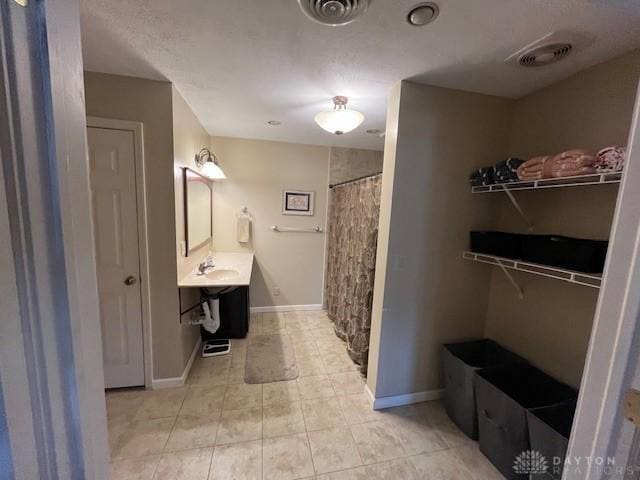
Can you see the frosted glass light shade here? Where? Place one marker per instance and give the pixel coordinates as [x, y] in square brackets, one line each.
[339, 121]
[212, 171]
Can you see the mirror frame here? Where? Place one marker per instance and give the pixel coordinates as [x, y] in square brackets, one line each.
[186, 171]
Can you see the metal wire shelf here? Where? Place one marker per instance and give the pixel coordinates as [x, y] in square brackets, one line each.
[579, 278]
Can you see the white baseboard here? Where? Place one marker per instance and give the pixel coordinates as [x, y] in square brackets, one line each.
[400, 400]
[286, 308]
[173, 382]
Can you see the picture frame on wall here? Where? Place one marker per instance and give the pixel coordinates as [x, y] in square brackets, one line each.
[297, 202]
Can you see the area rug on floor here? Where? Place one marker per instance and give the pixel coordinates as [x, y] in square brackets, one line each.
[270, 358]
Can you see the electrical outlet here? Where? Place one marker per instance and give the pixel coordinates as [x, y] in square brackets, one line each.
[276, 291]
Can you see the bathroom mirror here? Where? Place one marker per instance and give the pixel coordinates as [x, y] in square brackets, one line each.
[197, 209]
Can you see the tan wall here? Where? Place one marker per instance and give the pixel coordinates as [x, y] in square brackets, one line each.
[150, 102]
[257, 172]
[431, 295]
[552, 325]
[188, 138]
[349, 163]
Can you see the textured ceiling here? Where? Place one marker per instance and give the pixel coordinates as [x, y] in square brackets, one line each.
[240, 63]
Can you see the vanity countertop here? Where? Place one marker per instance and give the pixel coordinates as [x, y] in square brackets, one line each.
[230, 269]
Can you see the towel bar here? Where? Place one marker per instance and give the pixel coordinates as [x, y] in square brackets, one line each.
[276, 228]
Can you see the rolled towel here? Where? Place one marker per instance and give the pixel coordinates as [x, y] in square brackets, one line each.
[569, 164]
[482, 176]
[507, 170]
[610, 159]
[532, 169]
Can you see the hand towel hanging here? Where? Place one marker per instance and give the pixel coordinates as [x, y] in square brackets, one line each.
[243, 228]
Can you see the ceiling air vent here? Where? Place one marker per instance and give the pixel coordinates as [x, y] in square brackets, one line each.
[551, 48]
[545, 55]
[333, 12]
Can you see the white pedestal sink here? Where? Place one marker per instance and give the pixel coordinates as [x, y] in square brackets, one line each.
[222, 274]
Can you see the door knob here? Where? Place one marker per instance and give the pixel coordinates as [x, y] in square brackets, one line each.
[130, 280]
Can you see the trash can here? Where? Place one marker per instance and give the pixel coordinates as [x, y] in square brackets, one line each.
[504, 395]
[549, 431]
[460, 361]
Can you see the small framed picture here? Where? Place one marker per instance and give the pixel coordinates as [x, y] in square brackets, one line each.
[295, 202]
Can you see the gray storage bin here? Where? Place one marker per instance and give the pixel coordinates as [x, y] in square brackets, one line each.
[504, 395]
[460, 361]
[549, 431]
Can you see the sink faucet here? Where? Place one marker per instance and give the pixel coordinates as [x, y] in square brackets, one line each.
[203, 266]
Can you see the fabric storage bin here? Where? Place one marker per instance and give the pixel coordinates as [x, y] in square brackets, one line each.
[500, 244]
[504, 394]
[549, 431]
[460, 361]
[565, 252]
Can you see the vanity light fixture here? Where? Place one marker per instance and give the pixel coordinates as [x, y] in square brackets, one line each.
[208, 164]
[339, 120]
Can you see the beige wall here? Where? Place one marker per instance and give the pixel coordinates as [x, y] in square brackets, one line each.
[257, 172]
[150, 102]
[431, 295]
[188, 138]
[349, 163]
[552, 325]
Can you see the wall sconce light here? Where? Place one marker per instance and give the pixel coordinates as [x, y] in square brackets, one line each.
[208, 164]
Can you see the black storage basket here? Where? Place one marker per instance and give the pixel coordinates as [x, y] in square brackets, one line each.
[460, 361]
[500, 244]
[549, 431]
[504, 395]
[565, 252]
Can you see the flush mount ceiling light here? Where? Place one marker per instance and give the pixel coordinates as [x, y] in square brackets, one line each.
[274, 123]
[333, 12]
[208, 164]
[339, 120]
[423, 14]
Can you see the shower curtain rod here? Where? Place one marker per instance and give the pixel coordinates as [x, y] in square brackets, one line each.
[355, 179]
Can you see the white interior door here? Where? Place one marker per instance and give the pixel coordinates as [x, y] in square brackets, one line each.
[603, 443]
[113, 186]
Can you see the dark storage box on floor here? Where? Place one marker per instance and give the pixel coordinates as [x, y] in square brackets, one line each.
[503, 397]
[500, 244]
[565, 252]
[549, 431]
[461, 360]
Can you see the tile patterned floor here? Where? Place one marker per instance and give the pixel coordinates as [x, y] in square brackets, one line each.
[320, 426]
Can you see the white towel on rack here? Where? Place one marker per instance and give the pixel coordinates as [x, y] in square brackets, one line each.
[244, 228]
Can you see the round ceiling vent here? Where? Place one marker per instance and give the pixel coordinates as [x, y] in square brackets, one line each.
[423, 14]
[545, 55]
[333, 12]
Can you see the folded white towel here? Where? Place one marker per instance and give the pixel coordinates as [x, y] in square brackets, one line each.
[244, 228]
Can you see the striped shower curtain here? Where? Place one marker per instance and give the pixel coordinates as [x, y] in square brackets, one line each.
[352, 242]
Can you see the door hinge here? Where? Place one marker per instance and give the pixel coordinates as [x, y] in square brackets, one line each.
[632, 406]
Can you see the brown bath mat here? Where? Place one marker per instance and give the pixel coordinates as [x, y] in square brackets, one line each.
[270, 358]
